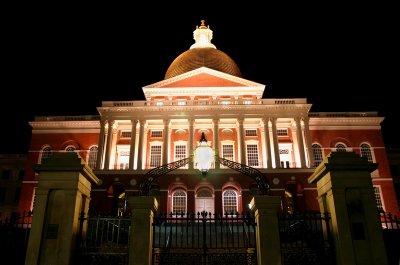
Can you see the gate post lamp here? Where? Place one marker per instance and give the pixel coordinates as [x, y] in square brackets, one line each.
[203, 155]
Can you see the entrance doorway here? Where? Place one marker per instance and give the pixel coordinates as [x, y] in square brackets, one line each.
[204, 201]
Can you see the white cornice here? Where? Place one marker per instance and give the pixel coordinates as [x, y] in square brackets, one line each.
[44, 125]
[261, 110]
[63, 130]
[206, 70]
[346, 123]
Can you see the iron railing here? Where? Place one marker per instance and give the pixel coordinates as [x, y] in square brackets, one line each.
[306, 239]
[389, 221]
[391, 236]
[14, 234]
[105, 241]
[204, 238]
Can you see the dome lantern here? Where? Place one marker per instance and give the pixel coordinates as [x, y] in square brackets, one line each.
[203, 36]
[202, 54]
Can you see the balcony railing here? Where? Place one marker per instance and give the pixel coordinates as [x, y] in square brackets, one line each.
[68, 118]
[202, 102]
[343, 114]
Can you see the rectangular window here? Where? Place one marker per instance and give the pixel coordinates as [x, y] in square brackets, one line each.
[92, 157]
[181, 102]
[282, 132]
[247, 101]
[230, 203]
[179, 204]
[252, 155]
[180, 152]
[156, 133]
[252, 132]
[159, 103]
[227, 151]
[155, 156]
[126, 134]
[378, 199]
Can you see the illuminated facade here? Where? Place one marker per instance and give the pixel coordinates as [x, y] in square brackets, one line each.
[204, 92]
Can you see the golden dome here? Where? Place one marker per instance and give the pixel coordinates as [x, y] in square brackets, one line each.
[202, 54]
[199, 57]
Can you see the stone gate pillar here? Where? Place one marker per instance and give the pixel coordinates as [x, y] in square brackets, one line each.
[141, 237]
[267, 229]
[63, 192]
[345, 191]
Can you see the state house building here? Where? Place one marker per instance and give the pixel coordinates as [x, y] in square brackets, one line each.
[204, 94]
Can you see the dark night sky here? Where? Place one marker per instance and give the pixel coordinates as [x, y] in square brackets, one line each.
[65, 60]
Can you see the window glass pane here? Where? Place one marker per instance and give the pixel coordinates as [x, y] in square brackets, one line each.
[340, 148]
[317, 151]
[46, 153]
[92, 156]
[179, 201]
[252, 155]
[180, 152]
[366, 152]
[230, 201]
[282, 132]
[227, 151]
[155, 156]
[252, 132]
[156, 133]
[378, 198]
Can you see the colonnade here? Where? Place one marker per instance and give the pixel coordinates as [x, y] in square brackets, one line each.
[270, 143]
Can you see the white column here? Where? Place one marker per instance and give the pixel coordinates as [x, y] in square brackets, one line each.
[100, 148]
[166, 142]
[295, 142]
[108, 145]
[267, 143]
[114, 147]
[191, 142]
[241, 135]
[141, 139]
[300, 142]
[276, 144]
[132, 145]
[216, 143]
[308, 141]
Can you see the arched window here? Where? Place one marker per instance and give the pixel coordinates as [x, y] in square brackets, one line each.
[340, 147]
[230, 201]
[46, 152]
[179, 201]
[70, 148]
[92, 159]
[365, 150]
[318, 157]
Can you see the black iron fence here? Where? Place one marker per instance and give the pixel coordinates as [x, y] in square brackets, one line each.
[204, 238]
[306, 239]
[391, 236]
[105, 241]
[14, 234]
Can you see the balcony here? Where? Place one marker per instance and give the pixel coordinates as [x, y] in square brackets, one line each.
[203, 102]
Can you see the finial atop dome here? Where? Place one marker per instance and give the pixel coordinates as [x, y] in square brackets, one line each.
[203, 26]
[202, 35]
